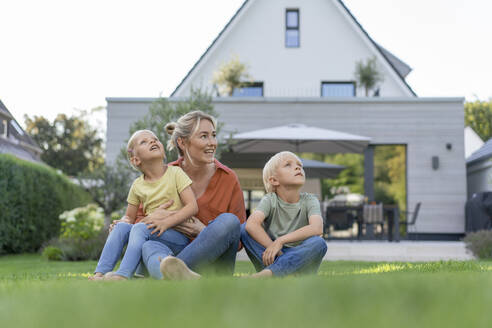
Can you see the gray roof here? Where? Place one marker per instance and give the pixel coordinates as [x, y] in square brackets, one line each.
[4, 111]
[398, 65]
[402, 68]
[483, 153]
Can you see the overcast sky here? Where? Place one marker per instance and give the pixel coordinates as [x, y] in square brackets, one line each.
[57, 56]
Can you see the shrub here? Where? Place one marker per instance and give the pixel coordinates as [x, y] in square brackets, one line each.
[82, 235]
[52, 253]
[82, 222]
[79, 249]
[32, 197]
[480, 243]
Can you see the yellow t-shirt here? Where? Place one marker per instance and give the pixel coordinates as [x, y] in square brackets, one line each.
[153, 194]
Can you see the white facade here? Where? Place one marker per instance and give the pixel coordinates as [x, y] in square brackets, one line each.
[472, 141]
[425, 125]
[331, 42]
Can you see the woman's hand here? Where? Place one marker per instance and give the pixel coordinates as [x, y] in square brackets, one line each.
[190, 228]
[271, 252]
[160, 213]
[159, 226]
[123, 219]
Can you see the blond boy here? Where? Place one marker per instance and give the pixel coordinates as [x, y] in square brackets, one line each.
[282, 235]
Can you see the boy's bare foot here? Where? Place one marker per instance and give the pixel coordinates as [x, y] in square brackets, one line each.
[173, 268]
[113, 276]
[96, 276]
[265, 273]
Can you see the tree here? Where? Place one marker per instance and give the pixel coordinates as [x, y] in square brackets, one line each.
[478, 116]
[230, 76]
[69, 144]
[368, 74]
[162, 111]
[108, 186]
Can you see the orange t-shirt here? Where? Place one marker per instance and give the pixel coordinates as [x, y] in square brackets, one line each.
[223, 195]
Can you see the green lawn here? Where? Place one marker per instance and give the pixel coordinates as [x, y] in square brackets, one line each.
[38, 293]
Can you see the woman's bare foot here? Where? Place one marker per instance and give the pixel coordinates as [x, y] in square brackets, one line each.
[96, 276]
[173, 268]
[113, 276]
[265, 273]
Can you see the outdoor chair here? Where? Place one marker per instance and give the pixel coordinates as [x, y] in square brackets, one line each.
[339, 218]
[373, 215]
[414, 214]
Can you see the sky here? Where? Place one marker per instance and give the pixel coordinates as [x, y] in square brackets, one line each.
[60, 56]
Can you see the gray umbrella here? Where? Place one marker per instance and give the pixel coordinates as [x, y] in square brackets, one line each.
[313, 169]
[298, 138]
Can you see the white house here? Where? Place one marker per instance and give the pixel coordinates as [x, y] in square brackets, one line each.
[14, 140]
[301, 55]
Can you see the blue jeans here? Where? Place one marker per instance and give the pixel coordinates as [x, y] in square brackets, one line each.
[214, 247]
[303, 258]
[117, 239]
[139, 234]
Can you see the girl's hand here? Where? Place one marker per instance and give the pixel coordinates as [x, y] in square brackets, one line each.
[123, 219]
[271, 252]
[190, 228]
[159, 226]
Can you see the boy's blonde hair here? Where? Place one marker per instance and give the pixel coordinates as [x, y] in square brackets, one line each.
[130, 152]
[271, 168]
[185, 127]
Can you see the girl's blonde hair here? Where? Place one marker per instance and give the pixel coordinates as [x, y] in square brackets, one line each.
[185, 127]
[271, 168]
[131, 145]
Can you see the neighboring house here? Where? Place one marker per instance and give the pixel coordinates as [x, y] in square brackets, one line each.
[479, 169]
[14, 140]
[302, 56]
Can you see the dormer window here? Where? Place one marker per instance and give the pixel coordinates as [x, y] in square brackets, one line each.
[3, 128]
[292, 28]
[249, 89]
[337, 89]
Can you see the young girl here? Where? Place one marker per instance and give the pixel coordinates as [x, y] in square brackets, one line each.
[158, 184]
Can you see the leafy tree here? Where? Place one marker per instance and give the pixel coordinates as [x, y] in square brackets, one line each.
[69, 144]
[478, 116]
[230, 75]
[368, 74]
[162, 111]
[108, 186]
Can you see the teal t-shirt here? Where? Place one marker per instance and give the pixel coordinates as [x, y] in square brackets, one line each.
[282, 218]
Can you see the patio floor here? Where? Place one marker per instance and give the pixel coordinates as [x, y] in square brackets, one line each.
[405, 251]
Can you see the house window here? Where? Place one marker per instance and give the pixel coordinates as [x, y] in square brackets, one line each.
[292, 28]
[249, 89]
[3, 128]
[337, 89]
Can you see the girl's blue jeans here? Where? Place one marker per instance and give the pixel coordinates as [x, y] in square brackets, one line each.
[304, 258]
[117, 239]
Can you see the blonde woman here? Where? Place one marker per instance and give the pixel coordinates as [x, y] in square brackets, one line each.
[210, 239]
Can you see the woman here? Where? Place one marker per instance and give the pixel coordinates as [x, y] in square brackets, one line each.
[211, 239]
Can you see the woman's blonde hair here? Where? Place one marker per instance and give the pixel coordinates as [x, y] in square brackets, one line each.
[130, 152]
[271, 168]
[185, 127]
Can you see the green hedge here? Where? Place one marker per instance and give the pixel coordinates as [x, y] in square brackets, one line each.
[32, 196]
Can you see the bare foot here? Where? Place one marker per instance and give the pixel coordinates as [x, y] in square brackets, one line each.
[265, 273]
[114, 276]
[173, 268]
[96, 276]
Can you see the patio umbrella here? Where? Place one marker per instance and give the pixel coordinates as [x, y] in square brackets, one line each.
[298, 138]
[314, 169]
